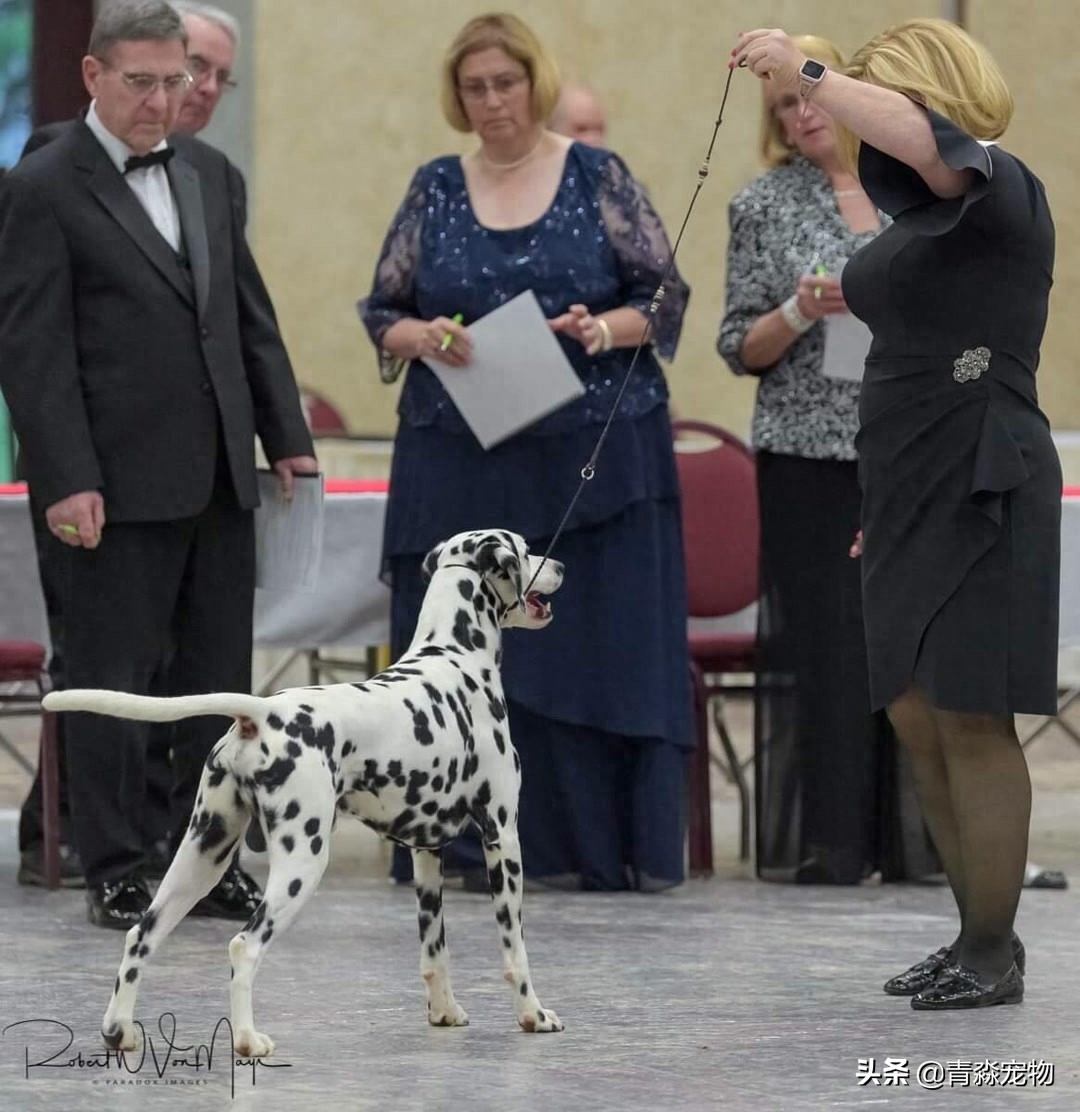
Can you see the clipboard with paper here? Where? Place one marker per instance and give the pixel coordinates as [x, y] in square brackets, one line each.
[518, 373]
[288, 535]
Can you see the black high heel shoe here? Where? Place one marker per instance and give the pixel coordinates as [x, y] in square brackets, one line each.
[924, 973]
[960, 987]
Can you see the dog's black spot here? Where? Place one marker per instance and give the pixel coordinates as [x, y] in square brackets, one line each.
[470, 765]
[322, 738]
[432, 650]
[267, 934]
[440, 720]
[131, 975]
[256, 920]
[436, 783]
[524, 988]
[134, 950]
[512, 867]
[502, 917]
[288, 842]
[469, 682]
[417, 780]
[294, 887]
[225, 851]
[209, 829]
[276, 775]
[434, 762]
[497, 708]
[479, 640]
[421, 730]
[468, 546]
[463, 630]
[502, 816]
[316, 846]
[305, 707]
[238, 799]
[434, 694]
[346, 749]
[401, 821]
[430, 901]
[430, 807]
[293, 749]
[311, 827]
[500, 741]
[393, 769]
[451, 773]
[116, 989]
[292, 810]
[217, 770]
[269, 818]
[517, 762]
[483, 794]
[495, 879]
[265, 748]
[485, 675]
[424, 922]
[274, 722]
[510, 885]
[465, 587]
[147, 923]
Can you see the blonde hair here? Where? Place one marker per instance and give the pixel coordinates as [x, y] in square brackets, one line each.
[940, 66]
[515, 37]
[774, 147]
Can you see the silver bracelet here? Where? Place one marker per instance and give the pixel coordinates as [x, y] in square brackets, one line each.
[789, 310]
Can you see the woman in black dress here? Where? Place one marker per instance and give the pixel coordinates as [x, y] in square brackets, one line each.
[961, 481]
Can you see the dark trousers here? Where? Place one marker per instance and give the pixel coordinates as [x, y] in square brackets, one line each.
[51, 558]
[178, 594]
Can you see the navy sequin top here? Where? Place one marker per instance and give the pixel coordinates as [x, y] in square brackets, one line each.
[599, 243]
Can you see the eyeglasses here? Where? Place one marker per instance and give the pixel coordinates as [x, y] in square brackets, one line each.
[201, 70]
[502, 86]
[144, 85]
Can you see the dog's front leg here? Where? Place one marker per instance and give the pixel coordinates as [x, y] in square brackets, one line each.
[507, 883]
[442, 1009]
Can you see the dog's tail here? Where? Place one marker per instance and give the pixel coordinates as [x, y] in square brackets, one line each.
[147, 708]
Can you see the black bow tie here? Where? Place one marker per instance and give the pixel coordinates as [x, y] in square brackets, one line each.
[143, 161]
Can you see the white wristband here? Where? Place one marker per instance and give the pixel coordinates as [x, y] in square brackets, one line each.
[789, 310]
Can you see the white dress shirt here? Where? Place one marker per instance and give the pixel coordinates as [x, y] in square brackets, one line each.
[149, 184]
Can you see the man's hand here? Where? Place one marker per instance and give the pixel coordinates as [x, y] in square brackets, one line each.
[78, 519]
[285, 469]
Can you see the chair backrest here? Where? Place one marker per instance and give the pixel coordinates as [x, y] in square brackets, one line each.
[323, 418]
[718, 482]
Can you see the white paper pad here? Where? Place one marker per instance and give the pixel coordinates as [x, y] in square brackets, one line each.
[847, 343]
[288, 535]
[517, 373]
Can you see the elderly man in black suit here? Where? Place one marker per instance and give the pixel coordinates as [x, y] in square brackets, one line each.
[140, 356]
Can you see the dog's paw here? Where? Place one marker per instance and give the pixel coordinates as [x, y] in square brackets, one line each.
[250, 1044]
[452, 1016]
[120, 1036]
[540, 1020]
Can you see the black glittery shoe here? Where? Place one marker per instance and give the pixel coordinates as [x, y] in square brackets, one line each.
[923, 973]
[960, 987]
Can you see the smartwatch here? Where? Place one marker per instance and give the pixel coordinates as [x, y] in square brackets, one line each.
[810, 76]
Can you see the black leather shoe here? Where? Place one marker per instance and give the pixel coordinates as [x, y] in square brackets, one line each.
[235, 896]
[923, 973]
[118, 904]
[32, 867]
[960, 987]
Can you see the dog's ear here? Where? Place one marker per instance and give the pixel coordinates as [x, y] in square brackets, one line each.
[431, 562]
[496, 554]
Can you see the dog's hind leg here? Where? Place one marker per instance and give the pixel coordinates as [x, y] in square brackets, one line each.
[503, 857]
[297, 863]
[442, 1009]
[217, 824]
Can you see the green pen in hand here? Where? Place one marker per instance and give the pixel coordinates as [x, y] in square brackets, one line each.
[819, 272]
[448, 339]
[72, 530]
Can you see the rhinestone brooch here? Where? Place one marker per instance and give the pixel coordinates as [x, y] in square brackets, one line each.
[971, 364]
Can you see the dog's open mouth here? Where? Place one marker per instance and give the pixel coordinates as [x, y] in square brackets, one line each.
[537, 607]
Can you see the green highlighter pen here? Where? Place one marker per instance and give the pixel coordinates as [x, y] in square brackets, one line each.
[820, 272]
[448, 339]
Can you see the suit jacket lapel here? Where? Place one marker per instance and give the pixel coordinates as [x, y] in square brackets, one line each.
[184, 180]
[115, 196]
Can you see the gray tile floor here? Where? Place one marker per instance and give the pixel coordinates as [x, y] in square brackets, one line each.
[728, 993]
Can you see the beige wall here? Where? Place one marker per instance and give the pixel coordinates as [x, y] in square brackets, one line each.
[345, 109]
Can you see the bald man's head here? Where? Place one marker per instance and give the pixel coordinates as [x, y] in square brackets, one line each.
[580, 115]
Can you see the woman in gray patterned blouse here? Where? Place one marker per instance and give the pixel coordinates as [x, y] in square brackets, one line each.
[822, 759]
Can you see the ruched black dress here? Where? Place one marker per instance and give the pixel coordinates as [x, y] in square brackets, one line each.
[961, 480]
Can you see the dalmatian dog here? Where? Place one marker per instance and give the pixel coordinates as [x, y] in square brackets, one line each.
[416, 753]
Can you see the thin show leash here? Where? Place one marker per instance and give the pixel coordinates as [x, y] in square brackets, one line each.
[589, 470]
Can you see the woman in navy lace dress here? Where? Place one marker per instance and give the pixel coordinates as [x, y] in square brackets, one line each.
[598, 702]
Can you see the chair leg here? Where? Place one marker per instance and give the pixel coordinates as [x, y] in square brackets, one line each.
[738, 777]
[49, 759]
[701, 848]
